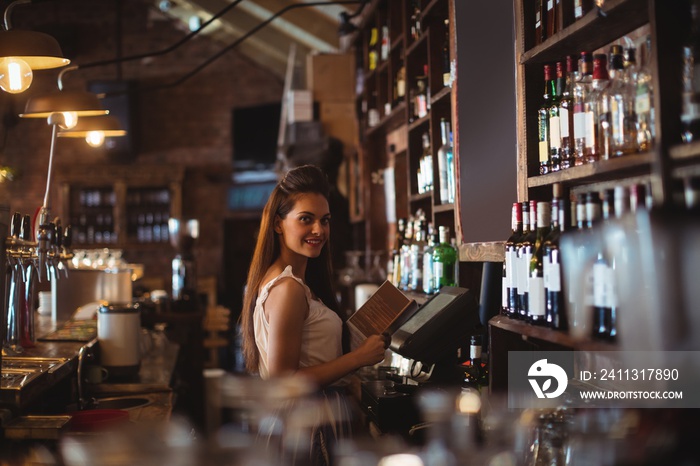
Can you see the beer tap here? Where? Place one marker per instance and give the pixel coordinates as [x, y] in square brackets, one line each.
[29, 275]
[13, 282]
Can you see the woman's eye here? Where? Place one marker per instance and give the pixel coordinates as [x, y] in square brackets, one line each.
[325, 221]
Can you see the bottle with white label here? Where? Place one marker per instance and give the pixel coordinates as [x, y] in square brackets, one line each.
[537, 303]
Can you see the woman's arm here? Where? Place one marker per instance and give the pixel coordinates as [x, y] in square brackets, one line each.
[286, 308]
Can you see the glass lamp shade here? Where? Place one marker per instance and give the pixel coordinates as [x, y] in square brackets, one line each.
[108, 125]
[81, 103]
[40, 51]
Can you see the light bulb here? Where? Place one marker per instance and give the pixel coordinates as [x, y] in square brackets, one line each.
[70, 119]
[15, 75]
[95, 138]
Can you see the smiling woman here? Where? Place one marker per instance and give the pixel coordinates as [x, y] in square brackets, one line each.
[290, 319]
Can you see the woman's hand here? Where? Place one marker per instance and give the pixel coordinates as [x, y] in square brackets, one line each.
[371, 351]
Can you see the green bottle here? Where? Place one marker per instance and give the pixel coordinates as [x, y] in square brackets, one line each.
[444, 261]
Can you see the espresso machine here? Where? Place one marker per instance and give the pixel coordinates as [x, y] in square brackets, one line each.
[183, 235]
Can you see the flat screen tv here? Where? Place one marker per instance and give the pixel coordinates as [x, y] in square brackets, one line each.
[254, 135]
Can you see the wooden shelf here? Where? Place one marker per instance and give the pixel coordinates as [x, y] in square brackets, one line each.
[493, 251]
[557, 337]
[444, 93]
[592, 31]
[419, 122]
[420, 197]
[685, 151]
[443, 208]
[630, 165]
[422, 40]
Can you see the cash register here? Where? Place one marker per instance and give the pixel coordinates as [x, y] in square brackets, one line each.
[424, 353]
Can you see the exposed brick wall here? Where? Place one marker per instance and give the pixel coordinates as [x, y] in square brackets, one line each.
[188, 125]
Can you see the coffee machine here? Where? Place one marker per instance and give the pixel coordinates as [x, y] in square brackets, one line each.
[183, 235]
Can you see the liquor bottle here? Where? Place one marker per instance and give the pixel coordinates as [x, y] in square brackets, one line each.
[406, 267]
[593, 111]
[551, 18]
[396, 252]
[690, 98]
[417, 248]
[415, 20]
[373, 53]
[691, 193]
[428, 279]
[566, 112]
[581, 7]
[445, 157]
[476, 373]
[543, 129]
[537, 303]
[620, 97]
[420, 106]
[425, 175]
[540, 13]
[525, 252]
[554, 297]
[510, 284]
[400, 87]
[386, 44]
[604, 289]
[644, 102]
[520, 271]
[444, 260]
[555, 121]
[446, 64]
[451, 175]
[580, 93]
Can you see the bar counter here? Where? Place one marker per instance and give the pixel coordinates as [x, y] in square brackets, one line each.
[53, 387]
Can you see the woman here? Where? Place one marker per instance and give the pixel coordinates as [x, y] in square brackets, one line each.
[290, 319]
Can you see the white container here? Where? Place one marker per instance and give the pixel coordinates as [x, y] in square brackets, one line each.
[83, 286]
[119, 334]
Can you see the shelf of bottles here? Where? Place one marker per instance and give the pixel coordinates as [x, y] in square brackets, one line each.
[595, 158]
[404, 86]
[92, 215]
[148, 211]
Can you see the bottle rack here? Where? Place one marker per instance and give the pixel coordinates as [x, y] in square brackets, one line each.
[119, 207]
[661, 166]
[384, 116]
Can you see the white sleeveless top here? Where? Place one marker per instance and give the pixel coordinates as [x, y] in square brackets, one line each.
[321, 339]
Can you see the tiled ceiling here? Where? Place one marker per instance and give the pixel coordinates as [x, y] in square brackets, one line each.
[311, 27]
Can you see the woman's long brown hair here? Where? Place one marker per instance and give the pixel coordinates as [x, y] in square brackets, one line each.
[301, 180]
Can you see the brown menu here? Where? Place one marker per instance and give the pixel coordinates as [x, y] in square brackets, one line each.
[385, 311]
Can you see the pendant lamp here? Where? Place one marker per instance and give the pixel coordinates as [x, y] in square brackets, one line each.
[94, 129]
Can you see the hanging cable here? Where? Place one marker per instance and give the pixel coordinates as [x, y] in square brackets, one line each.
[167, 49]
[243, 38]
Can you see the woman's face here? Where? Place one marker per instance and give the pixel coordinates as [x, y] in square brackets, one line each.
[306, 227]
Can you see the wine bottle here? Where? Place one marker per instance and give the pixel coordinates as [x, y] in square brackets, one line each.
[417, 249]
[555, 313]
[406, 255]
[543, 129]
[644, 102]
[594, 121]
[581, 7]
[444, 260]
[566, 112]
[444, 156]
[416, 30]
[428, 279]
[618, 100]
[396, 252]
[537, 304]
[555, 121]
[425, 174]
[373, 53]
[540, 15]
[551, 18]
[476, 374]
[509, 264]
[446, 64]
[580, 94]
[525, 257]
[520, 270]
